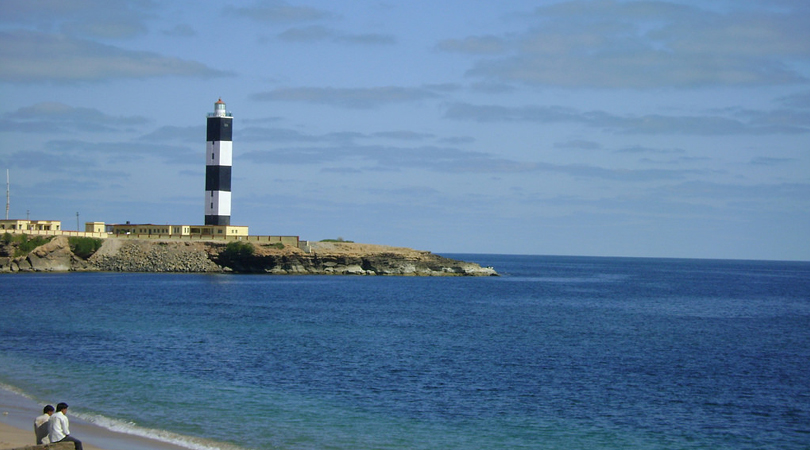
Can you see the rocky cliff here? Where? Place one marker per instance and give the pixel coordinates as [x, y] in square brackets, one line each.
[327, 258]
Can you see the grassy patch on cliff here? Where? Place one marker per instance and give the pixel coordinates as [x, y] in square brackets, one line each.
[23, 244]
[84, 247]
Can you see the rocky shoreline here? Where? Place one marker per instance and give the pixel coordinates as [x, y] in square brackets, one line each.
[325, 258]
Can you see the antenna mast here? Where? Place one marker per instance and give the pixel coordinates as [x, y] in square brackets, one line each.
[8, 193]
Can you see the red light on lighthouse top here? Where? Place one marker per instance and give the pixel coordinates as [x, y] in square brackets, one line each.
[219, 108]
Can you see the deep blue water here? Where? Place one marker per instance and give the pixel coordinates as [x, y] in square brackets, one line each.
[558, 353]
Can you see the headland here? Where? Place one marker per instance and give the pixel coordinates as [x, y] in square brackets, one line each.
[62, 254]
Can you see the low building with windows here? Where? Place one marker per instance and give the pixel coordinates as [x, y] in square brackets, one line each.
[176, 230]
[30, 225]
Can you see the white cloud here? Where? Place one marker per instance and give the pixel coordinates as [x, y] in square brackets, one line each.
[181, 30]
[609, 44]
[88, 18]
[445, 160]
[123, 152]
[637, 149]
[279, 12]
[361, 98]
[404, 135]
[481, 45]
[267, 134]
[318, 33]
[307, 34]
[749, 122]
[769, 161]
[29, 57]
[55, 117]
[761, 193]
[578, 144]
[172, 133]
[801, 100]
[47, 161]
[108, 28]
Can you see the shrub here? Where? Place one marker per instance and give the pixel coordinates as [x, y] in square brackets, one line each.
[84, 247]
[238, 249]
[6, 239]
[25, 244]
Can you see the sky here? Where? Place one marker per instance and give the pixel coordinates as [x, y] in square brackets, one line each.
[596, 128]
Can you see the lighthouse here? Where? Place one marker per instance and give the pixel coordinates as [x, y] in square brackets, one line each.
[218, 157]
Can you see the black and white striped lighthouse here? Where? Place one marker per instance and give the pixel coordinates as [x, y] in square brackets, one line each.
[218, 157]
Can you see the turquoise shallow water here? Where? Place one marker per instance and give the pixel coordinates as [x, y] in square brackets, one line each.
[558, 353]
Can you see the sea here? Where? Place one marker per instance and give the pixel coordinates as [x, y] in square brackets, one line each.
[555, 353]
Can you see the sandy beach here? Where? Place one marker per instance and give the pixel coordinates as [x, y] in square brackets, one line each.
[13, 437]
[17, 415]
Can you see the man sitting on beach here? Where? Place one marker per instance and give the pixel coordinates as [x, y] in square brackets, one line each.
[59, 427]
[41, 425]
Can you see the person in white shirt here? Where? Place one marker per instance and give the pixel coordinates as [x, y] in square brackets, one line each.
[59, 427]
[41, 425]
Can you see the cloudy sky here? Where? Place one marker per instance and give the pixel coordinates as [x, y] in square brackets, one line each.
[606, 128]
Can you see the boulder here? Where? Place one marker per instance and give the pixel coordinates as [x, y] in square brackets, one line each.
[55, 256]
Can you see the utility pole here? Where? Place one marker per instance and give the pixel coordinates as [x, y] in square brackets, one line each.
[77, 221]
[8, 193]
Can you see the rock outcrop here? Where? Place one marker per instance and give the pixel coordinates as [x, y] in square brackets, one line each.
[54, 256]
[325, 258]
[351, 259]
